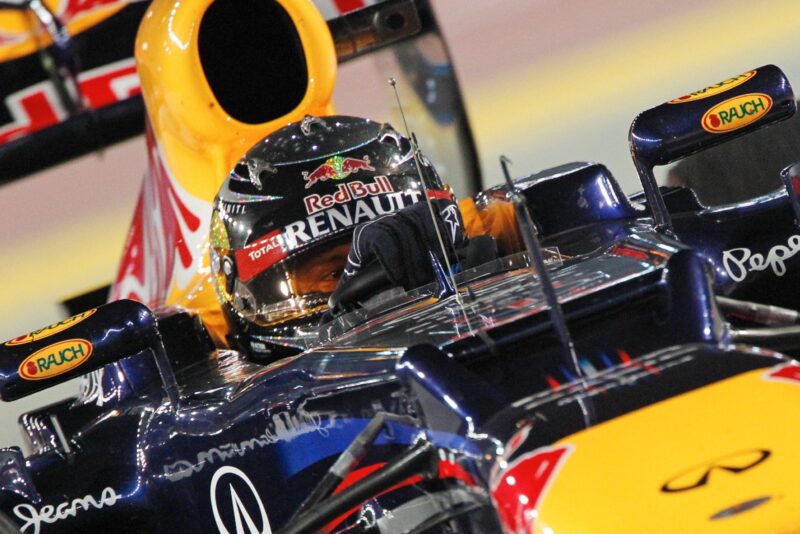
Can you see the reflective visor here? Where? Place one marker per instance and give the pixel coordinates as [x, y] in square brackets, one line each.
[295, 287]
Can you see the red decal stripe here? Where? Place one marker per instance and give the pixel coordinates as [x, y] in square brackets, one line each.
[438, 193]
[785, 373]
[519, 490]
[626, 358]
[256, 257]
[346, 6]
[796, 184]
[631, 253]
[446, 470]
[38, 115]
[552, 382]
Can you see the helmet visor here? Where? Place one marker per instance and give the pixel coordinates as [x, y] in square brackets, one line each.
[295, 287]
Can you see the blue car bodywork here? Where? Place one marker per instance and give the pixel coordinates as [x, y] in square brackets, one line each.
[171, 433]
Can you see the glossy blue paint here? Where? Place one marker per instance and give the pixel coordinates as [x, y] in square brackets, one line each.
[570, 196]
[449, 395]
[283, 425]
[134, 331]
[674, 129]
[478, 374]
[683, 126]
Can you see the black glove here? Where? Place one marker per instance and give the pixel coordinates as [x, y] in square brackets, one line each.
[402, 241]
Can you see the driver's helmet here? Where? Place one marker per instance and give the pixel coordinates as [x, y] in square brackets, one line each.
[284, 217]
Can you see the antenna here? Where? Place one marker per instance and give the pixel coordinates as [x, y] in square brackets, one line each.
[415, 147]
[528, 231]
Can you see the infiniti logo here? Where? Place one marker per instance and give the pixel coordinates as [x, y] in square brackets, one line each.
[699, 476]
[236, 503]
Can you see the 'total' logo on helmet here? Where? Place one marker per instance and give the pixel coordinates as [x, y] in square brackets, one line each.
[259, 255]
[55, 359]
[736, 112]
[336, 168]
[715, 89]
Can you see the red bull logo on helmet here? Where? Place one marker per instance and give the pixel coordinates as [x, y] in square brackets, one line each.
[349, 191]
[336, 168]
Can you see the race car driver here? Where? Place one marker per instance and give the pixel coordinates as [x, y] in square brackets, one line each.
[315, 203]
[284, 220]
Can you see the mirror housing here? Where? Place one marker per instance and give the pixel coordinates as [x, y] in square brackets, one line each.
[703, 119]
[78, 345]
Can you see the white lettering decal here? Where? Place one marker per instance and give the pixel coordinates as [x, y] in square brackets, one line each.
[367, 201]
[241, 516]
[363, 212]
[316, 224]
[337, 217]
[451, 218]
[50, 514]
[378, 205]
[415, 195]
[739, 261]
[283, 427]
[295, 231]
[271, 244]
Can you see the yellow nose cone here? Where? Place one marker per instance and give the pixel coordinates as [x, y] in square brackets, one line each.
[723, 458]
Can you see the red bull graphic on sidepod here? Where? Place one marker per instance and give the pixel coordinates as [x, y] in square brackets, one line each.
[169, 227]
[518, 492]
[336, 168]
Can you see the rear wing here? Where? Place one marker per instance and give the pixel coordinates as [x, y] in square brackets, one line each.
[78, 92]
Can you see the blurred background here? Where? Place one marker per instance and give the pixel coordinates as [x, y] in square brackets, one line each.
[544, 82]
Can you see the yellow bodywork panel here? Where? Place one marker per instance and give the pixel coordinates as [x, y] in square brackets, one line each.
[714, 449]
[198, 141]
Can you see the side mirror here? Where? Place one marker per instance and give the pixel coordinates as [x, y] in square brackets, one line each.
[78, 345]
[702, 119]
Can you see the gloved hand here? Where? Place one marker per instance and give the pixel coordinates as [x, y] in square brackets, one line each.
[402, 241]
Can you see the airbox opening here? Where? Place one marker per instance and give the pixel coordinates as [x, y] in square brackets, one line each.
[253, 59]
